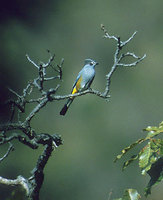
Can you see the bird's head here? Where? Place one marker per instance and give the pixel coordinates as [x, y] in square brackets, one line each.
[90, 62]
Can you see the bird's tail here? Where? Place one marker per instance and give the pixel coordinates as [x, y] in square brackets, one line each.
[66, 106]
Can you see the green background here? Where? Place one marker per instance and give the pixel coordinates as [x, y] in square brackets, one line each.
[94, 131]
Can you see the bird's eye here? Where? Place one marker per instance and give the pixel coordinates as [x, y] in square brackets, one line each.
[91, 63]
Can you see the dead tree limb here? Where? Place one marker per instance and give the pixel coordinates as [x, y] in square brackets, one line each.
[22, 131]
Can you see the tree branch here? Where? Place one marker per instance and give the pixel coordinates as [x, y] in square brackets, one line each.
[11, 148]
[22, 131]
[18, 181]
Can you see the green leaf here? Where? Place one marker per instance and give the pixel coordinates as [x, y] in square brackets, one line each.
[125, 150]
[144, 156]
[161, 148]
[156, 175]
[128, 162]
[150, 158]
[150, 154]
[154, 130]
[130, 194]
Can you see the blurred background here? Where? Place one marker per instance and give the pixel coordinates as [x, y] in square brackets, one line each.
[94, 131]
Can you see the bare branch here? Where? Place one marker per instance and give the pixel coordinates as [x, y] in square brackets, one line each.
[22, 131]
[117, 62]
[26, 135]
[11, 148]
[12, 91]
[31, 61]
[132, 64]
[127, 41]
[107, 34]
[130, 54]
[28, 89]
[51, 78]
[11, 126]
[118, 57]
[19, 181]
[33, 184]
[88, 91]
[49, 61]
[36, 109]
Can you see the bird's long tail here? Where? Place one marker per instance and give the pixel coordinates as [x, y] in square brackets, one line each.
[66, 106]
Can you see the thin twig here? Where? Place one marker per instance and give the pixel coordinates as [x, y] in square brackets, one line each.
[12, 91]
[130, 38]
[31, 61]
[11, 148]
[132, 64]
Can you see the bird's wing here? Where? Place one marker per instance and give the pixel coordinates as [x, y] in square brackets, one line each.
[76, 85]
[90, 82]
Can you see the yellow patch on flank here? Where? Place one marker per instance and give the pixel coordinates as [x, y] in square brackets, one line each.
[77, 87]
[74, 90]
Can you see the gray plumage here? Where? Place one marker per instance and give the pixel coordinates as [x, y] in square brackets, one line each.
[82, 82]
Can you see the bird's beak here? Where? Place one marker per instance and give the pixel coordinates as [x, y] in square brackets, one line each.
[97, 63]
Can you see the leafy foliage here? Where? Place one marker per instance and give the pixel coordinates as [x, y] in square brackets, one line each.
[150, 157]
[130, 194]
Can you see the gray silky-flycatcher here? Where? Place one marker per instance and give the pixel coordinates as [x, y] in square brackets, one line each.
[82, 82]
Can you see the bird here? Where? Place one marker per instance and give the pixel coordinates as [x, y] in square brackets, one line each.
[83, 81]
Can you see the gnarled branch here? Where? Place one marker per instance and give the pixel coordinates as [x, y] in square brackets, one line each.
[22, 131]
